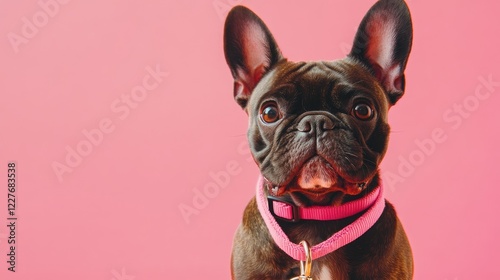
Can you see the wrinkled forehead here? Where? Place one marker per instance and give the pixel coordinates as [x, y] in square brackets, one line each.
[341, 77]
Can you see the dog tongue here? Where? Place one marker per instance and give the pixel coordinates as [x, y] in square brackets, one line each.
[317, 173]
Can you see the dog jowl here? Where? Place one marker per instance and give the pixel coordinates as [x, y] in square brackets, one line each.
[318, 132]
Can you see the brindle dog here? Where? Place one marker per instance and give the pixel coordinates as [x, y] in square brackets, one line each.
[318, 132]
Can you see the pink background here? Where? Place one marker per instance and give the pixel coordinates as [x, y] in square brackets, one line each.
[116, 214]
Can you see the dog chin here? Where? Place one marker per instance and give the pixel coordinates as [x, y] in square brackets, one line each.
[317, 175]
[307, 198]
[317, 183]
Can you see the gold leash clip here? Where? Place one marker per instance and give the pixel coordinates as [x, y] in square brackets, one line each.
[305, 266]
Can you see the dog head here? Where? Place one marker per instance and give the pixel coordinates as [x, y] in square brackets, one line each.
[318, 130]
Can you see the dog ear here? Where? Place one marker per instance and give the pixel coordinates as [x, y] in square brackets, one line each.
[383, 43]
[250, 51]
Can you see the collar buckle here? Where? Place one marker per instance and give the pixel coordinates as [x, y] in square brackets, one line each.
[295, 209]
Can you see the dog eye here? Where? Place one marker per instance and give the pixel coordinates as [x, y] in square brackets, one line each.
[362, 111]
[270, 113]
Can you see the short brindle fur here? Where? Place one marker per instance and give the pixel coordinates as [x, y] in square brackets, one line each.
[322, 142]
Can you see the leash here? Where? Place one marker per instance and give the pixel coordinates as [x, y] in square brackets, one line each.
[343, 237]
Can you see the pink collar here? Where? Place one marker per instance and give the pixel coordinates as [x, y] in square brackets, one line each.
[374, 202]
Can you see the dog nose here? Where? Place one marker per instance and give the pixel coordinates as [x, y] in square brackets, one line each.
[315, 124]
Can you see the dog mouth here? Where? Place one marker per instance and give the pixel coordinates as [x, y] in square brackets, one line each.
[316, 174]
[318, 182]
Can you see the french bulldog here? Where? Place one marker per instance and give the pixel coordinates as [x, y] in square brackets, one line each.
[318, 132]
